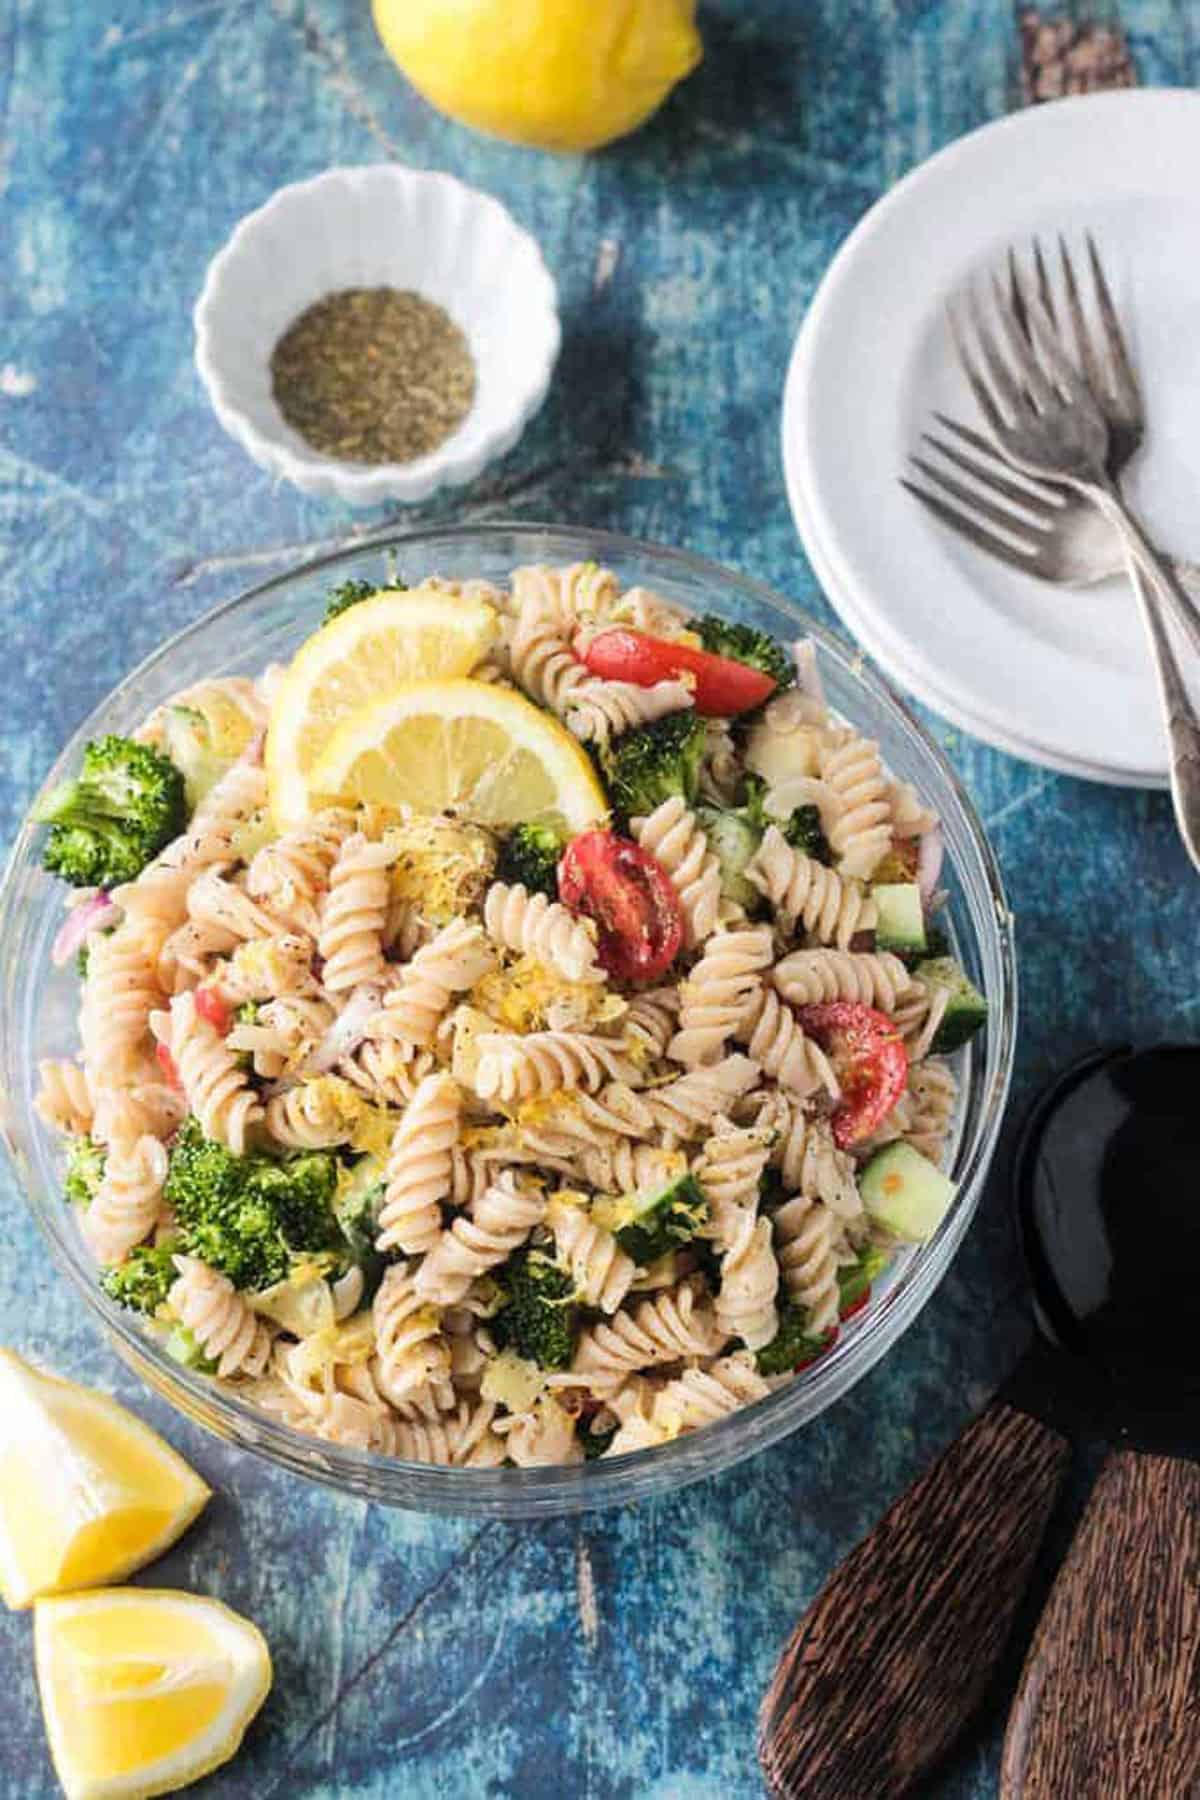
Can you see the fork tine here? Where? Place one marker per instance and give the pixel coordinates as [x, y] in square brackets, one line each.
[967, 528]
[978, 504]
[1016, 293]
[1063, 370]
[1124, 380]
[1041, 506]
[976, 383]
[987, 448]
[1093, 374]
[998, 370]
[1038, 388]
[1045, 291]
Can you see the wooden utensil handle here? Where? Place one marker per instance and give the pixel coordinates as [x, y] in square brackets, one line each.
[1107, 1707]
[893, 1655]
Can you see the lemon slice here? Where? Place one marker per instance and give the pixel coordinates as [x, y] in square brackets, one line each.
[420, 634]
[483, 751]
[143, 1689]
[87, 1492]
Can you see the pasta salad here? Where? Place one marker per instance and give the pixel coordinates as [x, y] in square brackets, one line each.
[519, 1032]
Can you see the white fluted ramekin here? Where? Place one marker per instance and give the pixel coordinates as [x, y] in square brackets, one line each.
[383, 226]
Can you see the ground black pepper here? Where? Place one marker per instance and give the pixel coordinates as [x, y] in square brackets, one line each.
[373, 375]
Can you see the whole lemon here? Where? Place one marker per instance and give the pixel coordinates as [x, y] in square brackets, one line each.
[560, 74]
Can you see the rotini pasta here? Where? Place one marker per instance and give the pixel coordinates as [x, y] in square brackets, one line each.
[450, 1103]
[674, 838]
[835, 910]
[535, 925]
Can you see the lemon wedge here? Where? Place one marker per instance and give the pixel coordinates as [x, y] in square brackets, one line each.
[401, 635]
[483, 751]
[143, 1689]
[87, 1492]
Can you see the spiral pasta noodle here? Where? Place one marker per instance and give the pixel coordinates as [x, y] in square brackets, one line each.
[568, 596]
[745, 1304]
[730, 1170]
[600, 1269]
[918, 1015]
[496, 1225]
[119, 994]
[534, 925]
[544, 1435]
[64, 1099]
[807, 977]
[650, 1023]
[354, 913]
[411, 1350]
[208, 1305]
[290, 875]
[673, 836]
[675, 1324]
[686, 1108]
[773, 1035]
[804, 892]
[810, 1163]
[452, 961]
[518, 1068]
[313, 1115]
[717, 994]
[420, 1168]
[217, 1089]
[702, 1396]
[126, 1205]
[807, 1234]
[934, 1093]
[861, 835]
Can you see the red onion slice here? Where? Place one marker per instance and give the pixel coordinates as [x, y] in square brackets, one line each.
[95, 914]
[930, 850]
[346, 1033]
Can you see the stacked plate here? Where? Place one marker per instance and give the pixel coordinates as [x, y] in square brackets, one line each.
[1058, 676]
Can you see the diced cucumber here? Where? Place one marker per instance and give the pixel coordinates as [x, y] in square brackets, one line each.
[905, 1193]
[901, 917]
[649, 1224]
[966, 1008]
[734, 841]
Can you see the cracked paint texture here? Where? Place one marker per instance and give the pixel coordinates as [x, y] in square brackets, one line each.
[621, 1656]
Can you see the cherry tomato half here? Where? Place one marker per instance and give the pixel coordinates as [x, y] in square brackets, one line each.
[213, 1006]
[166, 1063]
[639, 921]
[869, 1060]
[720, 685]
[857, 1305]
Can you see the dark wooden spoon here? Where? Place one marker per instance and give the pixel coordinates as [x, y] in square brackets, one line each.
[896, 1651]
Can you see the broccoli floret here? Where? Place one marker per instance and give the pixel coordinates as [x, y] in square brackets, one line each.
[792, 1345]
[105, 826]
[746, 645]
[802, 828]
[855, 1279]
[645, 767]
[248, 1215]
[144, 1279]
[540, 1316]
[182, 1347]
[529, 854]
[649, 1225]
[347, 595]
[85, 1170]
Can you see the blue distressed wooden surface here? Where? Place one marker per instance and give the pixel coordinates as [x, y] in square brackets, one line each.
[414, 1657]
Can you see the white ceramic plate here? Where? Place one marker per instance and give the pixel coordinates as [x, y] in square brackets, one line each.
[1060, 677]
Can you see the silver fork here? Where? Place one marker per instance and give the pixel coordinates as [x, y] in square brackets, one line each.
[1040, 410]
[1049, 531]
[1070, 543]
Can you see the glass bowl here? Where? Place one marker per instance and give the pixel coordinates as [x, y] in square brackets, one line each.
[38, 1005]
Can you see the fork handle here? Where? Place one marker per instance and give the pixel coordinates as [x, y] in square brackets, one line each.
[1183, 726]
[1157, 568]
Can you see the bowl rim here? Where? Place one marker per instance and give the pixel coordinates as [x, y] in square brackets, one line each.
[370, 483]
[557, 1489]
